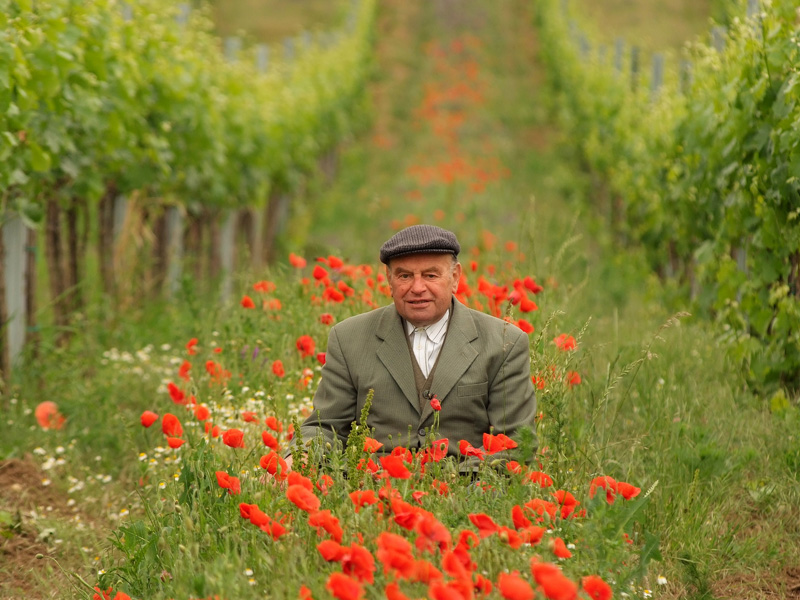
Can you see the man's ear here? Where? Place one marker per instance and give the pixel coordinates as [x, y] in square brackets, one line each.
[456, 276]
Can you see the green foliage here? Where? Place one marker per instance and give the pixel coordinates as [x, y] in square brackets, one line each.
[706, 178]
[92, 94]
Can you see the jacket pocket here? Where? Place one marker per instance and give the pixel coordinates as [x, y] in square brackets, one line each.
[475, 389]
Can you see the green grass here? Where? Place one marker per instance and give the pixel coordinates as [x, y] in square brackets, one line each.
[660, 405]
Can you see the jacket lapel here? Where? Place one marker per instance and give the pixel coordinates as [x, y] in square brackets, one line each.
[394, 355]
[456, 356]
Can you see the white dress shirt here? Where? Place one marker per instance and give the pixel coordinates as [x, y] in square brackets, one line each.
[427, 342]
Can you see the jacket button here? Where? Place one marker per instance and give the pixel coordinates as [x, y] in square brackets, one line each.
[421, 432]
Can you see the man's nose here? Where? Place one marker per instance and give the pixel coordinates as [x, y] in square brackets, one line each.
[418, 285]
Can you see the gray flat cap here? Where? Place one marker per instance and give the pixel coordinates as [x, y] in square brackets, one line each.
[419, 239]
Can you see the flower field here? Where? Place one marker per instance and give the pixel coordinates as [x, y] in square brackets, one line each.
[404, 524]
[146, 459]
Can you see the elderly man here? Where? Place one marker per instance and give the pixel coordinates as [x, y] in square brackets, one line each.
[424, 345]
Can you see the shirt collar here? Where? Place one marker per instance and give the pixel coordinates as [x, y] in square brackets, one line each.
[435, 331]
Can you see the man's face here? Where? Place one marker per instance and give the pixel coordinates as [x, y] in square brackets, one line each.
[423, 286]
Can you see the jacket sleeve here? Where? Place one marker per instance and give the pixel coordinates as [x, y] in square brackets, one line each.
[512, 399]
[335, 399]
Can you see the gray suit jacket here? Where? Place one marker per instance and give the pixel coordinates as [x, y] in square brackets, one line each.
[482, 380]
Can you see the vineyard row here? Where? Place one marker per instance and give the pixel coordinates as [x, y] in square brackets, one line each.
[125, 126]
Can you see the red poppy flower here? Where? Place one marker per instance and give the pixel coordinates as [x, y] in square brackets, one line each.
[148, 418]
[269, 440]
[274, 464]
[264, 286]
[233, 438]
[298, 262]
[359, 562]
[321, 356]
[450, 590]
[543, 479]
[319, 273]
[261, 519]
[277, 368]
[176, 393]
[372, 445]
[171, 426]
[441, 487]
[345, 289]
[553, 582]
[540, 507]
[453, 566]
[596, 588]
[405, 514]
[331, 551]
[564, 342]
[183, 371]
[334, 262]
[497, 443]
[274, 424]
[468, 539]
[425, 572]
[174, 442]
[395, 467]
[532, 535]
[512, 587]
[438, 450]
[302, 498]
[527, 305]
[560, 548]
[326, 319]
[306, 345]
[435, 404]
[418, 496]
[247, 302]
[482, 585]
[295, 478]
[627, 490]
[392, 592]
[102, 595]
[362, 498]
[573, 378]
[324, 520]
[564, 498]
[397, 563]
[367, 465]
[190, 346]
[518, 517]
[248, 416]
[201, 412]
[525, 326]
[324, 484]
[608, 484]
[486, 526]
[274, 528]
[331, 294]
[468, 449]
[531, 285]
[403, 453]
[343, 587]
[233, 485]
[513, 466]
[304, 593]
[433, 532]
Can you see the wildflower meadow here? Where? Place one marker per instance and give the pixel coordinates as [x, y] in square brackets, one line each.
[146, 457]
